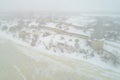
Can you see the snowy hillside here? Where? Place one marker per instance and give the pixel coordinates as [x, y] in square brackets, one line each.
[90, 38]
[22, 62]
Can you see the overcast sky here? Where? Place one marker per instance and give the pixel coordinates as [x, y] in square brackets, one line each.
[61, 5]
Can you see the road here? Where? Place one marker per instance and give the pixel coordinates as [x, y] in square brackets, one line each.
[20, 62]
[65, 33]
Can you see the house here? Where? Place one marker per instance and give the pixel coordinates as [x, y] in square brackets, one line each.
[97, 45]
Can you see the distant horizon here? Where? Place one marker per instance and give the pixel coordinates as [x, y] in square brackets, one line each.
[44, 11]
[96, 6]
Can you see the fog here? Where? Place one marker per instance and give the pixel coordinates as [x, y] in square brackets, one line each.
[61, 5]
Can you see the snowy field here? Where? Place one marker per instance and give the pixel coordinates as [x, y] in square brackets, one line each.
[21, 62]
[69, 47]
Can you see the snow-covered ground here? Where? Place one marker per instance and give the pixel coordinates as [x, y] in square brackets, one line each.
[23, 62]
[81, 21]
[73, 45]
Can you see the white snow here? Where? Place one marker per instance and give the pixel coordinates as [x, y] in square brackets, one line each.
[19, 71]
[49, 64]
[55, 38]
[50, 24]
[81, 21]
